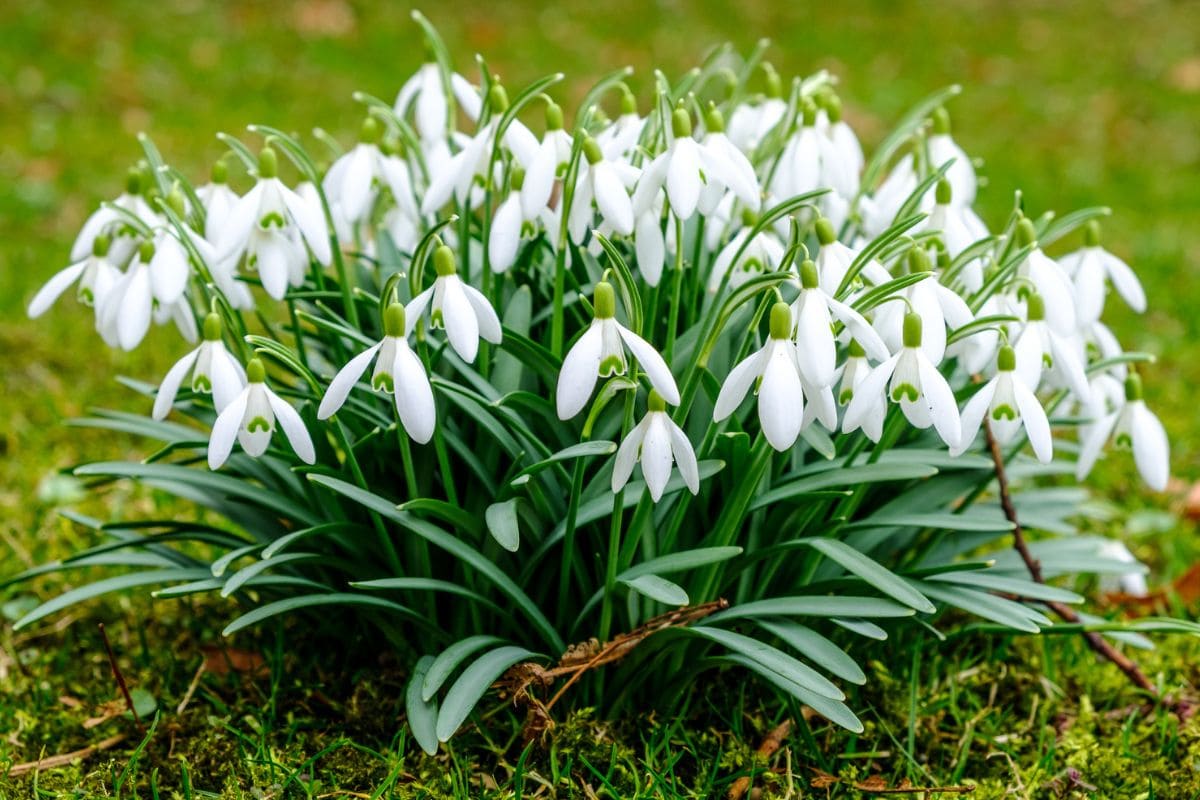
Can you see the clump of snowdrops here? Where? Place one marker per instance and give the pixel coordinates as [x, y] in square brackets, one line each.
[497, 379]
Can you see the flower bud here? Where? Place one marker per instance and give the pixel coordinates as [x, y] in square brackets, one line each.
[628, 101]
[681, 123]
[1035, 307]
[255, 371]
[604, 301]
[774, 83]
[443, 261]
[393, 320]
[517, 179]
[781, 321]
[809, 278]
[371, 131]
[833, 107]
[268, 163]
[497, 98]
[220, 171]
[146, 251]
[176, 201]
[912, 329]
[825, 232]
[856, 350]
[212, 327]
[918, 260]
[1006, 360]
[809, 110]
[133, 181]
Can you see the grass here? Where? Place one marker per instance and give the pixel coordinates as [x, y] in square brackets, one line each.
[1075, 104]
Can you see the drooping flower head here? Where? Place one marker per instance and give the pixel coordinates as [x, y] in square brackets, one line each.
[250, 420]
[458, 307]
[656, 443]
[214, 371]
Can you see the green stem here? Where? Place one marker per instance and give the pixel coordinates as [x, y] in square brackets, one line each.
[614, 538]
[385, 539]
[676, 288]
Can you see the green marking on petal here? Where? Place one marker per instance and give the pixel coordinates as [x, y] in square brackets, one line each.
[201, 383]
[1004, 411]
[612, 365]
[259, 424]
[383, 382]
[906, 390]
[846, 396]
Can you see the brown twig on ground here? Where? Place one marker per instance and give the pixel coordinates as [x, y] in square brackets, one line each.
[116, 671]
[1095, 641]
[769, 746]
[581, 657]
[64, 759]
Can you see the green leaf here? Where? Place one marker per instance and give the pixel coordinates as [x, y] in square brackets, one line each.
[507, 369]
[681, 561]
[144, 703]
[657, 588]
[502, 524]
[823, 606]
[446, 512]
[581, 450]
[832, 710]
[422, 713]
[872, 572]
[853, 476]
[471, 685]
[976, 519]
[862, 627]
[771, 658]
[290, 604]
[820, 650]
[1016, 586]
[117, 583]
[449, 659]
[987, 606]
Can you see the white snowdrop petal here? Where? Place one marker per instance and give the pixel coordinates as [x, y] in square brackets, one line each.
[462, 327]
[505, 235]
[415, 310]
[1125, 282]
[272, 254]
[485, 315]
[54, 288]
[539, 179]
[1151, 450]
[860, 329]
[939, 399]
[738, 383]
[134, 309]
[685, 457]
[344, 381]
[656, 455]
[580, 369]
[683, 177]
[310, 219]
[612, 199]
[649, 183]
[869, 393]
[780, 398]
[1091, 441]
[652, 363]
[293, 427]
[627, 455]
[225, 430]
[414, 395]
[171, 383]
[231, 240]
[972, 416]
[650, 248]
[228, 379]
[1037, 427]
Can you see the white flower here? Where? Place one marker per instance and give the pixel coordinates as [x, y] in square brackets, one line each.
[270, 225]
[763, 253]
[854, 373]
[810, 161]
[1039, 347]
[350, 183]
[456, 306]
[834, 260]
[880, 209]
[1132, 583]
[943, 148]
[750, 123]
[504, 236]
[620, 138]
[600, 352]
[938, 306]
[1008, 404]
[214, 371]
[649, 244]
[95, 274]
[960, 228]
[736, 174]
[1049, 279]
[218, 201]
[1089, 266]
[843, 136]
[158, 275]
[1133, 426]
[551, 156]
[913, 381]
[656, 442]
[250, 419]
[781, 390]
[108, 220]
[605, 183]
[426, 88]
[814, 312]
[398, 371]
[683, 168]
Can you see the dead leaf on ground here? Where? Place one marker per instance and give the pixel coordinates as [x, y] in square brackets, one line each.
[223, 660]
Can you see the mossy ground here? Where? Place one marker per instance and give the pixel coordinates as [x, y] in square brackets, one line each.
[1076, 103]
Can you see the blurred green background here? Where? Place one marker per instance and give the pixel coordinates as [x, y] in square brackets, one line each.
[1075, 103]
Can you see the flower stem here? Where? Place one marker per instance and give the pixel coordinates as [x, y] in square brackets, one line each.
[614, 537]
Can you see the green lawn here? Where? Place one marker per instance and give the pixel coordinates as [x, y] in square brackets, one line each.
[1075, 103]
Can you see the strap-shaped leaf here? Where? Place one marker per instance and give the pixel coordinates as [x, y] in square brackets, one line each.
[116, 583]
[818, 649]
[290, 604]
[872, 572]
[466, 692]
[656, 588]
[823, 606]
[449, 659]
[835, 711]
[422, 712]
[772, 658]
[502, 524]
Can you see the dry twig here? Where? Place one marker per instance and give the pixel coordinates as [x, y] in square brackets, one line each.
[64, 759]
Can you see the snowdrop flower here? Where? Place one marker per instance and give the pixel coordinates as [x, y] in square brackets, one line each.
[843, 136]
[1089, 266]
[811, 161]
[1008, 404]
[159, 275]
[108, 220]
[880, 209]
[736, 167]
[95, 276]
[551, 156]
[943, 148]
[456, 306]
[938, 306]
[1039, 347]
[250, 419]
[913, 381]
[508, 225]
[270, 225]
[814, 312]
[1132, 583]
[600, 352]
[398, 372]
[601, 180]
[834, 260]
[214, 371]
[749, 123]
[1049, 279]
[656, 442]
[426, 90]
[468, 167]
[218, 201]
[350, 183]
[1136, 427]
[959, 228]
[619, 139]
[764, 252]
[780, 391]
[683, 168]
[854, 372]
[648, 240]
